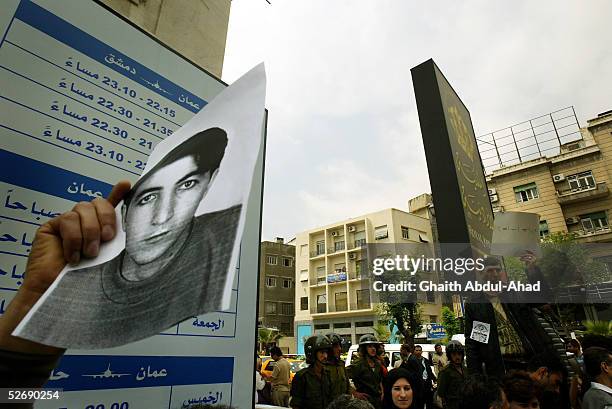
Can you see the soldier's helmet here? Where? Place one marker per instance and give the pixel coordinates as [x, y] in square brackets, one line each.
[368, 339]
[454, 346]
[314, 344]
[336, 339]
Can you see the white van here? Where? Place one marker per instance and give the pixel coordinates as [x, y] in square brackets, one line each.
[393, 353]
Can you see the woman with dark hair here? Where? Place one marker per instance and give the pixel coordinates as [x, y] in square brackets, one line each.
[402, 390]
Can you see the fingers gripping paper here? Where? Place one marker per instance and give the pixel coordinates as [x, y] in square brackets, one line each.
[177, 246]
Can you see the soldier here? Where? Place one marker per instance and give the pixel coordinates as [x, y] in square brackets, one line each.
[367, 373]
[311, 387]
[335, 366]
[452, 378]
[439, 360]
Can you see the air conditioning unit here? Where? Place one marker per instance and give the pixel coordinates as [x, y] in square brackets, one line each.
[352, 229]
[572, 220]
[559, 177]
[334, 233]
[494, 198]
[352, 256]
[492, 191]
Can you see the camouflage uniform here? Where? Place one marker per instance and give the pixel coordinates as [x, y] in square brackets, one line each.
[338, 378]
[308, 391]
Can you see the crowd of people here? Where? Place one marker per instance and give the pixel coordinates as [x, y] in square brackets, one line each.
[442, 381]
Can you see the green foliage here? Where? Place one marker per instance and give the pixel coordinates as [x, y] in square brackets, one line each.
[268, 335]
[382, 332]
[451, 323]
[598, 327]
[406, 316]
[563, 262]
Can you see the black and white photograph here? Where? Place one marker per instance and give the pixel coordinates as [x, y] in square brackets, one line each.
[181, 225]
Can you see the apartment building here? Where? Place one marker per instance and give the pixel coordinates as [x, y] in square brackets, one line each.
[332, 290]
[277, 289]
[569, 187]
[569, 190]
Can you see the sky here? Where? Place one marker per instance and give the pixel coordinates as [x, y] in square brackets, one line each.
[343, 135]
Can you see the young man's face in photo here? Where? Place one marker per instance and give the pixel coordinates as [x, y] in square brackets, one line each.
[162, 208]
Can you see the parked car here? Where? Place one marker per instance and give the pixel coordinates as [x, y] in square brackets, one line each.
[296, 365]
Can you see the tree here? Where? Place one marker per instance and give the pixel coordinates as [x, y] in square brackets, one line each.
[406, 316]
[564, 264]
[382, 332]
[452, 324]
[268, 337]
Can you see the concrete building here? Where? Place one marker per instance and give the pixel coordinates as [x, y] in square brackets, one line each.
[195, 29]
[332, 292]
[277, 290]
[569, 189]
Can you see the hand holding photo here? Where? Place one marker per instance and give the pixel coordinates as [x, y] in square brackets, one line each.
[176, 252]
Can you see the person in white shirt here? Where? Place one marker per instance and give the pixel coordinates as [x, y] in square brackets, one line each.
[598, 363]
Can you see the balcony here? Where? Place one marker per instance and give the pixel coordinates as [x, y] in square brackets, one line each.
[319, 309]
[594, 231]
[338, 246]
[361, 306]
[317, 252]
[338, 276]
[583, 194]
[338, 307]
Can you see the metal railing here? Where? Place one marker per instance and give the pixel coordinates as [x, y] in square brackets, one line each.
[528, 140]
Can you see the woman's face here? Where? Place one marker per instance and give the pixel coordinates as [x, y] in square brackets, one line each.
[401, 393]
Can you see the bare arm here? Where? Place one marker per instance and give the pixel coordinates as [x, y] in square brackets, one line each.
[64, 239]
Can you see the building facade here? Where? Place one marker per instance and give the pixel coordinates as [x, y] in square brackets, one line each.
[195, 29]
[277, 289]
[332, 290]
[570, 190]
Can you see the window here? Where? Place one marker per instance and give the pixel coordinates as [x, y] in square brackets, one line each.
[321, 303]
[364, 324]
[287, 261]
[272, 260]
[320, 247]
[303, 303]
[270, 307]
[341, 301]
[321, 326]
[594, 221]
[270, 281]
[287, 283]
[304, 275]
[405, 233]
[303, 249]
[581, 181]
[526, 192]
[381, 232]
[342, 325]
[360, 239]
[339, 245]
[361, 267]
[543, 229]
[286, 308]
[363, 299]
[321, 275]
[431, 296]
[339, 267]
[286, 329]
[433, 318]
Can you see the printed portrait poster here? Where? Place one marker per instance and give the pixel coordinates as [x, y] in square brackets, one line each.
[178, 239]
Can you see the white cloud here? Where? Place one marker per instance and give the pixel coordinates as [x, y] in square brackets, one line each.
[342, 110]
